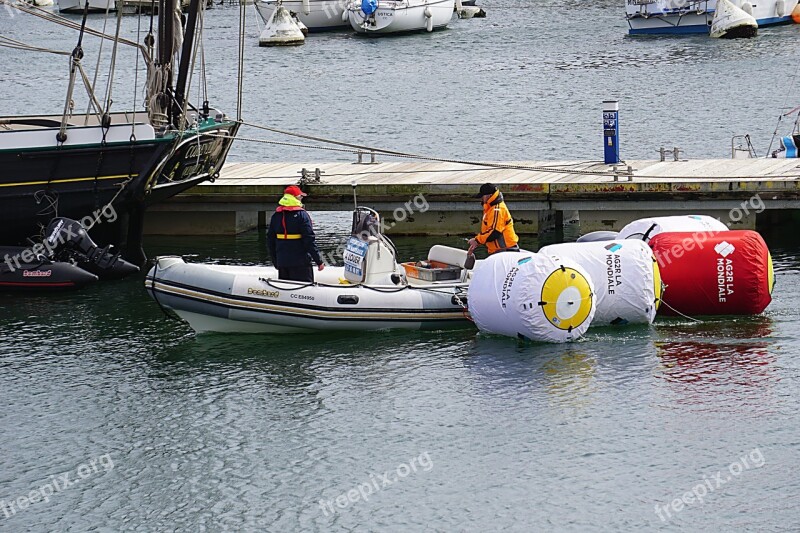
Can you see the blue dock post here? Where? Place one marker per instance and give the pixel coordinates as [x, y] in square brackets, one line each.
[611, 131]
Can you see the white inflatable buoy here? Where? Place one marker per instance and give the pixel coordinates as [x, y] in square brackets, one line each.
[531, 296]
[625, 276]
[780, 8]
[428, 18]
[747, 7]
[647, 228]
[731, 22]
[281, 30]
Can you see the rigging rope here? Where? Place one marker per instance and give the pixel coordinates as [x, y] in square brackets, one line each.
[486, 166]
[19, 45]
[97, 66]
[46, 15]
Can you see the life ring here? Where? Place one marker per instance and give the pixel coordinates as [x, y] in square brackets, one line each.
[566, 299]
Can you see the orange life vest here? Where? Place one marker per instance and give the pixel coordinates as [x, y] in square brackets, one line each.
[497, 226]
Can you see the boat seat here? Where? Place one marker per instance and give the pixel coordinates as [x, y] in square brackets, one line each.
[448, 255]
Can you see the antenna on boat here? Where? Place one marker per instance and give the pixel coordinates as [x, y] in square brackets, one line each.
[355, 198]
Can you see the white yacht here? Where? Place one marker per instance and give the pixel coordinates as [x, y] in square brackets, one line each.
[696, 16]
[395, 16]
[317, 15]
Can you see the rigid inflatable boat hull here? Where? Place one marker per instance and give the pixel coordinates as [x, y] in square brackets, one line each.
[240, 299]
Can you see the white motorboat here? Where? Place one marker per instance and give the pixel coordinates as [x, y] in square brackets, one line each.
[396, 16]
[697, 16]
[317, 15]
[372, 291]
[77, 6]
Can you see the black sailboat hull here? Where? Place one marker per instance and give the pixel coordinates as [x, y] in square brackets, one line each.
[105, 187]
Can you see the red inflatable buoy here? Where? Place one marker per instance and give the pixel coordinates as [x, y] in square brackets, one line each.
[727, 273]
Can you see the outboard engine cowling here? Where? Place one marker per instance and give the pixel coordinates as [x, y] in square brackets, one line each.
[70, 241]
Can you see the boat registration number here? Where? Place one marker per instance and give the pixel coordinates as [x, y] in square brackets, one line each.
[354, 254]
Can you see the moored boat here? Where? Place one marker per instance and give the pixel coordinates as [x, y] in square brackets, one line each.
[76, 165]
[372, 291]
[23, 270]
[696, 16]
[77, 6]
[397, 16]
[317, 15]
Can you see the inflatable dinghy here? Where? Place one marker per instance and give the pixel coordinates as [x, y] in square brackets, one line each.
[371, 292]
[22, 270]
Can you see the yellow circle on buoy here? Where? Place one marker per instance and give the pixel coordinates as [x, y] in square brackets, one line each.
[658, 285]
[770, 272]
[566, 298]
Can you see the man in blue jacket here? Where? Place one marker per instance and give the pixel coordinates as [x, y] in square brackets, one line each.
[291, 240]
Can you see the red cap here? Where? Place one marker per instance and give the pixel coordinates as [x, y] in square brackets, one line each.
[294, 190]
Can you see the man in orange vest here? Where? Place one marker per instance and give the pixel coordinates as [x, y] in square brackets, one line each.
[497, 226]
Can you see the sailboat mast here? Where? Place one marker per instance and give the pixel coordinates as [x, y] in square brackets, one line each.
[186, 56]
[166, 38]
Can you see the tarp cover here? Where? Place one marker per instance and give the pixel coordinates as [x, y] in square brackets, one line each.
[726, 274]
[625, 277]
[369, 6]
[533, 296]
[646, 228]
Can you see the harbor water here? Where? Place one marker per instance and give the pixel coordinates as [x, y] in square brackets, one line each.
[117, 417]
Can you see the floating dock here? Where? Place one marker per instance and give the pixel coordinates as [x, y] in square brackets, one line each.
[435, 198]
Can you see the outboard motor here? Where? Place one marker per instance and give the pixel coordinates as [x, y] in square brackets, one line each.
[70, 241]
[370, 257]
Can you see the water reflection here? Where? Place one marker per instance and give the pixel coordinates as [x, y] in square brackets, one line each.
[563, 374]
[731, 366]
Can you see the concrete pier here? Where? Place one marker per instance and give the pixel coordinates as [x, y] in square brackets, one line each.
[436, 198]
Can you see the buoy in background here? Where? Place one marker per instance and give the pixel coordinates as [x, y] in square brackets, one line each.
[647, 228]
[464, 11]
[531, 296]
[625, 275]
[598, 236]
[731, 22]
[729, 273]
[281, 29]
[303, 27]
